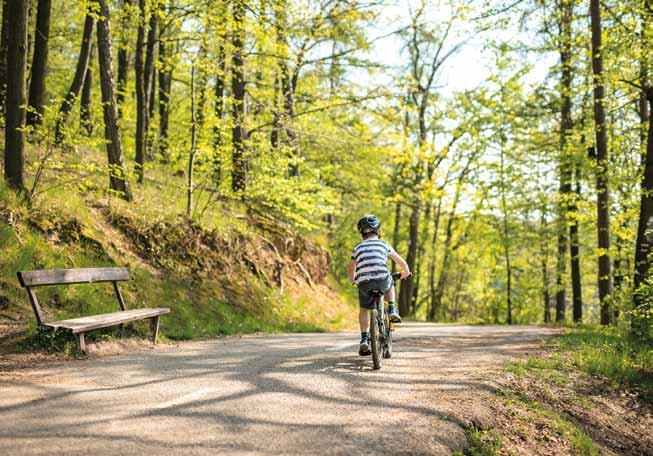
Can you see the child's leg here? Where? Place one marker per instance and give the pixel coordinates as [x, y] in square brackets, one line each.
[364, 320]
[390, 295]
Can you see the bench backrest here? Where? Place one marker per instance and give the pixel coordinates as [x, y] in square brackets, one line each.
[43, 277]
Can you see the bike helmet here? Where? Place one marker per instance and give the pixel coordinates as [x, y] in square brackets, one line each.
[369, 224]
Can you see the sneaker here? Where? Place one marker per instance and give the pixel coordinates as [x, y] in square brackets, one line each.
[364, 348]
[393, 314]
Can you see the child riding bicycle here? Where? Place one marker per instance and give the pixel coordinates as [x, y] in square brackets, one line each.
[368, 269]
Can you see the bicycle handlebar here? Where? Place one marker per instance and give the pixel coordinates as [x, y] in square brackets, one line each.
[397, 276]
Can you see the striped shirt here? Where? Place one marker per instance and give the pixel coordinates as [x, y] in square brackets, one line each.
[371, 256]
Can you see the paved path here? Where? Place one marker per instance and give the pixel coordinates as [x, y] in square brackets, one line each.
[275, 394]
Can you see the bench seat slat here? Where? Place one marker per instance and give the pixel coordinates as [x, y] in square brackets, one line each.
[71, 276]
[83, 324]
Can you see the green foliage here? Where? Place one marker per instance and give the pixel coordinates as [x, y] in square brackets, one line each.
[612, 353]
[481, 443]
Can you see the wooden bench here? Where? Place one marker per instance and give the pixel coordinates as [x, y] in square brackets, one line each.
[79, 326]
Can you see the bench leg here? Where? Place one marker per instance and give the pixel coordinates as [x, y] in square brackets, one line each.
[82, 343]
[154, 324]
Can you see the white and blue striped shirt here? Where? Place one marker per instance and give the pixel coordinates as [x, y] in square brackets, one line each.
[371, 256]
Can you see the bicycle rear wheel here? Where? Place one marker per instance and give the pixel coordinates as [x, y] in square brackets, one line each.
[387, 347]
[375, 340]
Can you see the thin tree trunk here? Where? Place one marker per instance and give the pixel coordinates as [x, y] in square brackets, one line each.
[432, 261]
[123, 53]
[545, 268]
[141, 93]
[16, 98]
[238, 132]
[4, 37]
[165, 82]
[78, 79]
[406, 291]
[39, 63]
[193, 144]
[117, 177]
[218, 109]
[641, 320]
[506, 233]
[574, 249]
[395, 232]
[602, 188]
[150, 58]
[86, 109]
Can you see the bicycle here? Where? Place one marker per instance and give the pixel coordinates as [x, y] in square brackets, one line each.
[381, 327]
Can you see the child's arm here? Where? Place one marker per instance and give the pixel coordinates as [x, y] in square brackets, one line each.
[405, 270]
[352, 270]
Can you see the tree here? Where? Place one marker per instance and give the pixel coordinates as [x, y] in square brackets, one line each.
[141, 93]
[4, 41]
[602, 189]
[39, 62]
[78, 79]
[16, 97]
[117, 176]
[239, 103]
[123, 52]
[86, 109]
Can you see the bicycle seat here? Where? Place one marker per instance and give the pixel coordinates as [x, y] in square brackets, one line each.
[376, 293]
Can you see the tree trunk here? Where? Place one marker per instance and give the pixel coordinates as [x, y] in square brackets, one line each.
[150, 58]
[574, 249]
[39, 63]
[86, 109]
[78, 79]
[193, 145]
[165, 83]
[641, 321]
[602, 189]
[15, 108]
[117, 177]
[123, 53]
[406, 291]
[141, 93]
[218, 109]
[432, 261]
[506, 233]
[238, 131]
[395, 232]
[4, 37]
[545, 268]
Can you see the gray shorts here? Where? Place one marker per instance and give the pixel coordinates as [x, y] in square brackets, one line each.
[364, 288]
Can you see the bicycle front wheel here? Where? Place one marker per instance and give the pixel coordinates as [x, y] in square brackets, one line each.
[375, 340]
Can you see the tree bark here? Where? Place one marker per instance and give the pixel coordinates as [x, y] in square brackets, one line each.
[395, 232]
[16, 98]
[78, 79]
[602, 187]
[4, 37]
[86, 109]
[141, 93]
[150, 58]
[117, 177]
[39, 63]
[193, 145]
[641, 321]
[432, 261]
[165, 83]
[574, 249]
[545, 266]
[218, 109]
[123, 53]
[238, 131]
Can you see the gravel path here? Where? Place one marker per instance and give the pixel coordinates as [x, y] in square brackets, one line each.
[268, 394]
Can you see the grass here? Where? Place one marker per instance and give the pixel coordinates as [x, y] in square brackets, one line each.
[481, 443]
[61, 231]
[610, 353]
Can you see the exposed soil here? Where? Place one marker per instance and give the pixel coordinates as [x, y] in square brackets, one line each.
[526, 409]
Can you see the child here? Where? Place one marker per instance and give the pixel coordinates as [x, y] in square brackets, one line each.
[368, 269]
